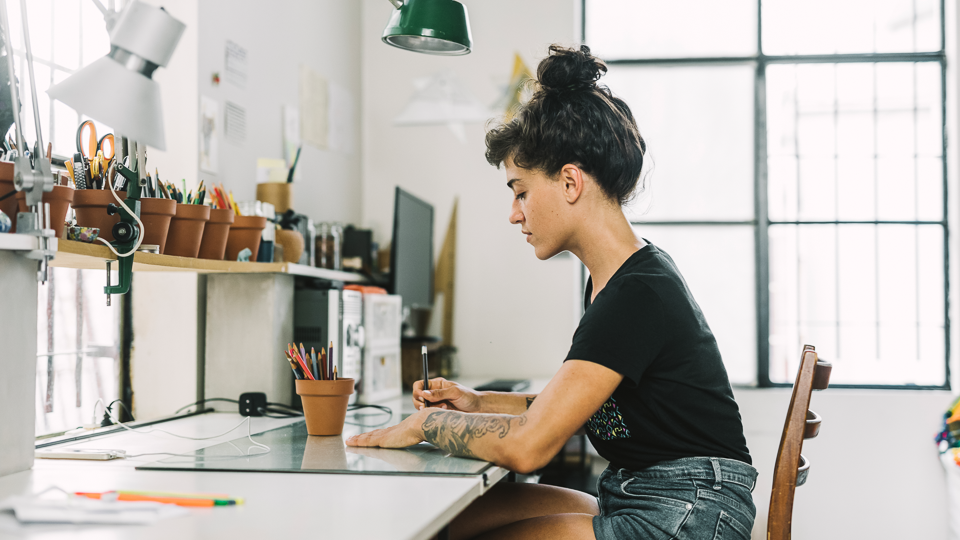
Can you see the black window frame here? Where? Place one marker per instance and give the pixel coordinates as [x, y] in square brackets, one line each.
[761, 222]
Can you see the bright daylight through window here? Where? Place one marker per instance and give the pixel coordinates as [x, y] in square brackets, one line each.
[798, 175]
[77, 334]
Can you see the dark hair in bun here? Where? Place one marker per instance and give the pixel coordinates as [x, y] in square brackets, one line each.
[572, 119]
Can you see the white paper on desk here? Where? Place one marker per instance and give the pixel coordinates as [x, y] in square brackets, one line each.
[83, 510]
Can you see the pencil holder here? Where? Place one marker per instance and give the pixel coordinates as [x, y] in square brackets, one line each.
[90, 206]
[156, 215]
[214, 242]
[325, 404]
[59, 199]
[275, 193]
[186, 230]
[245, 233]
[292, 242]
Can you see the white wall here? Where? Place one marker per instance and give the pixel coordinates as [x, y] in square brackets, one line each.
[514, 313]
[323, 34]
[279, 36]
[874, 473]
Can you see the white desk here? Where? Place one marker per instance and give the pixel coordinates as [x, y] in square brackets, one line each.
[278, 505]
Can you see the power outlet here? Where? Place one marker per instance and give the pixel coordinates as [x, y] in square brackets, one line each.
[251, 403]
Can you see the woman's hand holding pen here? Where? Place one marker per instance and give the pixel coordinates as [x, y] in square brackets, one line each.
[446, 394]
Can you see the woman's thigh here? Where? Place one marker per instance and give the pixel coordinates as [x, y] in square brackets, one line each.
[508, 503]
[554, 527]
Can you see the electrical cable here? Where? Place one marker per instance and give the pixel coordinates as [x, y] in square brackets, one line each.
[135, 216]
[382, 410]
[122, 404]
[254, 444]
[204, 401]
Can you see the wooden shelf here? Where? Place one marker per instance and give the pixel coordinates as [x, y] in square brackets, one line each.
[81, 255]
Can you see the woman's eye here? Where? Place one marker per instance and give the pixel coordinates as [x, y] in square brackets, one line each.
[521, 196]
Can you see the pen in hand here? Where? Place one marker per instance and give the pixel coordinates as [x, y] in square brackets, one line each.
[426, 379]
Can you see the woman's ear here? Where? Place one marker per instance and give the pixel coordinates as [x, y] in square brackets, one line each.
[572, 181]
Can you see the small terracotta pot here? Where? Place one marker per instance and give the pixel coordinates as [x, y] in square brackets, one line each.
[156, 215]
[292, 242]
[244, 233]
[325, 404]
[59, 199]
[214, 242]
[186, 230]
[8, 205]
[275, 193]
[91, 208]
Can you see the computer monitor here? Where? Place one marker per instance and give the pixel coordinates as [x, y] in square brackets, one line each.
[411, 252]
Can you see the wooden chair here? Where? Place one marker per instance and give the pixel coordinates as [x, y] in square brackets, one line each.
[792, 467]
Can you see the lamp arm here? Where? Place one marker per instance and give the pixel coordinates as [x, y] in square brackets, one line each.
[396, 3]
[15, 99]
[109, 15]
[33, 78]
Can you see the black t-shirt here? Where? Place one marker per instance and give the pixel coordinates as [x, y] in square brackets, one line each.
[675, 399]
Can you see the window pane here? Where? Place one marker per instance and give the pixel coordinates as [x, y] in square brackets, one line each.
[725, 292]
[66, 33]
[850, 26]
[41, 28]
[698, 126]
[868, 297]
[96, 41]
[650, 29]
[43, 83]
[855, 142]
[78, 339]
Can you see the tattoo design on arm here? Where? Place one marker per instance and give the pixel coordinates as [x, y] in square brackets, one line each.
[454, 431]
[530, 401]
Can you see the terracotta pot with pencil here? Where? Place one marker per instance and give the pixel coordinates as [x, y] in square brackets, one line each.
[324, 395]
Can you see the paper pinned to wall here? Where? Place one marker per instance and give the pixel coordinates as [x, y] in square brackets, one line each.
[342, 128]
[209, 152]
[313, 108]
[235, 123]
[442, 99]
[271, 170]
[518, 91]
[235, 64]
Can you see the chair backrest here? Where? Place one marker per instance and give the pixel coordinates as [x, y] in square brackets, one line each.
[791, 468]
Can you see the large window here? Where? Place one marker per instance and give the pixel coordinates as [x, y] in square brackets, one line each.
[798, 175]
[78, 335]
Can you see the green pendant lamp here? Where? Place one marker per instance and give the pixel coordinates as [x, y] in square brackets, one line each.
[429, 26]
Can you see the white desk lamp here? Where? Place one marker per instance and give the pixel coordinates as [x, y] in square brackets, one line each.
[118, 89]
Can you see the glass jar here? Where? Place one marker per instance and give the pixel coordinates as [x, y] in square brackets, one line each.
[336, 232]
[328, 246]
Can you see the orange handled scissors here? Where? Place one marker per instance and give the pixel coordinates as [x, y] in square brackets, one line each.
[88, 144]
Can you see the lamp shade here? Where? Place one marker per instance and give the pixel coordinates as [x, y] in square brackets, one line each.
[110, 93]
[118, 89]
[430, 26]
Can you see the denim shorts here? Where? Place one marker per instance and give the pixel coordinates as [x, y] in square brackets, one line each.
[685, 499]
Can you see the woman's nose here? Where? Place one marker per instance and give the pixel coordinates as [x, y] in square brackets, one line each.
[516, 216]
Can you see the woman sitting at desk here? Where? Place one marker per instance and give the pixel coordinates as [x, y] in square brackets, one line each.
[643, 375]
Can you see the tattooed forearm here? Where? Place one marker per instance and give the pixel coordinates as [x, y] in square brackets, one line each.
[530, 400]
[454, 431]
